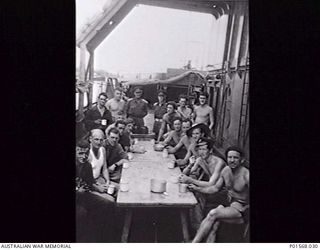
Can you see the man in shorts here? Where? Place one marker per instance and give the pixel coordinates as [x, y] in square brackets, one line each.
[235, 177]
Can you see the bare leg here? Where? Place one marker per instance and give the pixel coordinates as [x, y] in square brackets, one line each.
[206, 225]
[212, 234]
[218, 213]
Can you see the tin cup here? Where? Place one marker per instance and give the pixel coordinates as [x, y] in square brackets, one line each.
[124, 186]
[126, 165]
[171, 164]
[103, 122]
[130, 156]
[111, 189]
[165, 153]
[183, 187]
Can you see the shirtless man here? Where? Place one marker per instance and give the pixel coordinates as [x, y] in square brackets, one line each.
[175, 135]
[204, 113]
[189, 141]
[116, 104]
[186, 124]
[211, 165]
[235, 178]
[184, 111]
[167, 121]
[181, 151]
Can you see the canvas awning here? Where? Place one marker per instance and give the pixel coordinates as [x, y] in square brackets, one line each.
[196, 78]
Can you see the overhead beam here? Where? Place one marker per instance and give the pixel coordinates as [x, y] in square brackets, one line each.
[182, 5]
[98, 31]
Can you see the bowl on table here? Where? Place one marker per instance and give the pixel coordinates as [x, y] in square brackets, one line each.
[158, 147]
[158, 186]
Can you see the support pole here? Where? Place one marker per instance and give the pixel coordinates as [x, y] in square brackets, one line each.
[82, 74]
[91, 76]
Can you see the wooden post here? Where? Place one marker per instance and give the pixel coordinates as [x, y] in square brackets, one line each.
[82, 74]
[228, 36]
[244, 44]
[91, 76]
[126, 226]
[184, 224]
[236, 35]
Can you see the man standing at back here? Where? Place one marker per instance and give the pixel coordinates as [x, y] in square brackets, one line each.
[203, 113]
[160, 109]
[116, 104]
[137, 109]
[184, 111]
[98, 117]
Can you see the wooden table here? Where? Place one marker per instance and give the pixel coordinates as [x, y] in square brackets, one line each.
[144, 167]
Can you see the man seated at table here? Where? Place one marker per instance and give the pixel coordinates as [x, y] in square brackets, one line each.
[210, 164]
[186, 125]
[97, 157]
[98, 116]
[190, 141]
[182, 151]
[210, 167]
[124, 139]
[235, 178]
[129, 128]
[119, 117]
[94, 213]
[116, 156]
[174, 136]
[167, 121]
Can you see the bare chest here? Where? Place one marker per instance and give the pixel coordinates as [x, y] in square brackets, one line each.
[235, 182]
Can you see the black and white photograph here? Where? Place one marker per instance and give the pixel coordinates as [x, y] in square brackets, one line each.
[162, 121]
[127, 121]
[162, 110]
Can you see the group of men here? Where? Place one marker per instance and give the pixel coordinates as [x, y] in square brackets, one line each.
[185, 130]
[220, 185]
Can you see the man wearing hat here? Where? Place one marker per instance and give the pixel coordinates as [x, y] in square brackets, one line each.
[159, 110]
[210, 164]
[210, 167]
[137, 108]
[190, 140]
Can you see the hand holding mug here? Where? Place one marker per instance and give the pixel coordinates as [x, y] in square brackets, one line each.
[193, 187]
[112, 168]
[192, 159]
[98, 121]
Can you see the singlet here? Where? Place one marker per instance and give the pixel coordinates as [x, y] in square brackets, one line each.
[97, 163]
